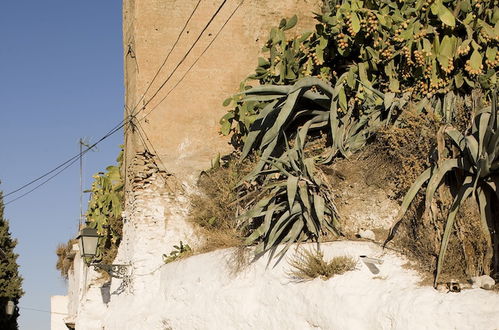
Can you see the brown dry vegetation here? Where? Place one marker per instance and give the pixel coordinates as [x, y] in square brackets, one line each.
[388, 165]
[65, 257]
[309, 264]
[215, 208]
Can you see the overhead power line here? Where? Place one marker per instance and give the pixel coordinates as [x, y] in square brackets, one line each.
[184, 57]
[63, 166]
[41, 310]
[168, 55]
[197, 59]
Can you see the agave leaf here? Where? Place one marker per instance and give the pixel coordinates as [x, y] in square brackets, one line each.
[319, 208]
[257, 128]
[292, 186]
[262, 97]
[267, 90]
[472, 148]
[437, 175]
[281, 119]
[293, 234]
[457, 137]
[464, 192]
[484, 132]
[485, 204]
[406, 202]
[286, 219]
[264, 227]
[309, 82]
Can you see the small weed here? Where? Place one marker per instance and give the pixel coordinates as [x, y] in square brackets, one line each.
[180, 251]
[309, 264]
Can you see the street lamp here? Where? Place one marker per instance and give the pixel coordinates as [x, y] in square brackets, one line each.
[88, 240]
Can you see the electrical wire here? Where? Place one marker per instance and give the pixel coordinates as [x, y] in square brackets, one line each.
[185, 56]
[196, 61]
[168, 56]
[116, 128]
[64, 165]
[41, 310]
[42, 183]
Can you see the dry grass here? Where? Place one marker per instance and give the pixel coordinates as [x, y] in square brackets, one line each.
[310, 264]
[400, 155]
[64, 258]
[215, 209]
[403, 152]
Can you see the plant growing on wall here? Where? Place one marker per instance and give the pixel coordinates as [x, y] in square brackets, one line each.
[105, 207]
[476, 167]
[294, 205]
[10, 280]
[432, 50]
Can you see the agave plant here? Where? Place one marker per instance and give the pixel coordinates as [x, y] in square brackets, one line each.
[295, 204]
[310, 104]
[478, 163]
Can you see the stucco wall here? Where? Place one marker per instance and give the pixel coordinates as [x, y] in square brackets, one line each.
[59, 309]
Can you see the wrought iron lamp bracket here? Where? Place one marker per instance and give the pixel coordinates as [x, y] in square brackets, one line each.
[116, 271]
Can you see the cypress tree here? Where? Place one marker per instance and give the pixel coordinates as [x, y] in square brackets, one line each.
[10, 280]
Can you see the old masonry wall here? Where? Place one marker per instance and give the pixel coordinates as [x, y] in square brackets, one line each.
[172, 137]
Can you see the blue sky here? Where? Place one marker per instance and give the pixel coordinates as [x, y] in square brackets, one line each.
[61, 78]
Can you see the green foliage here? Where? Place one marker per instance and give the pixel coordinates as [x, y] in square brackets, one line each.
[310, 264]
[476, 169]
[105, 207]
[432, 50]
[294, 204]
[178, 252]
[310, 105]
[10, 280]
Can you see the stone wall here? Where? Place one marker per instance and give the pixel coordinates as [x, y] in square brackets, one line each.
[173, 136]
[182, 129]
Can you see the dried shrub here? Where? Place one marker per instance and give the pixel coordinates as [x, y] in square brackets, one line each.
[65, 257]
[215, 208]
[310, 264]
[403, 150]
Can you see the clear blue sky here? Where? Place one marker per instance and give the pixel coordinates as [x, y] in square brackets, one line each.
[61, 78]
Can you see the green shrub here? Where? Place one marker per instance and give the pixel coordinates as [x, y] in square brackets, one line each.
[431, 50]
[104, 210]
[179, 251]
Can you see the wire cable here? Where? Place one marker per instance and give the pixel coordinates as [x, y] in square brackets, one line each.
[196, 61]
[167, 56]
[41, 310]
[126, 120]
[185, 56]
[63, 165]
[42, 183]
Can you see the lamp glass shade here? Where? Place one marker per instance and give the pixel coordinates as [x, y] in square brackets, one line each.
[9, 308]
[88, 241]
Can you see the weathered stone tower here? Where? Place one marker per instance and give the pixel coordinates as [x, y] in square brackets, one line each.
[176, 104]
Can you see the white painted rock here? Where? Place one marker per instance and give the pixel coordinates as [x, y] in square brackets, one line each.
[367, 234]
[484, 282]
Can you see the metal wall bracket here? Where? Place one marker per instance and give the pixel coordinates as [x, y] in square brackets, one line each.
[116, 271]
